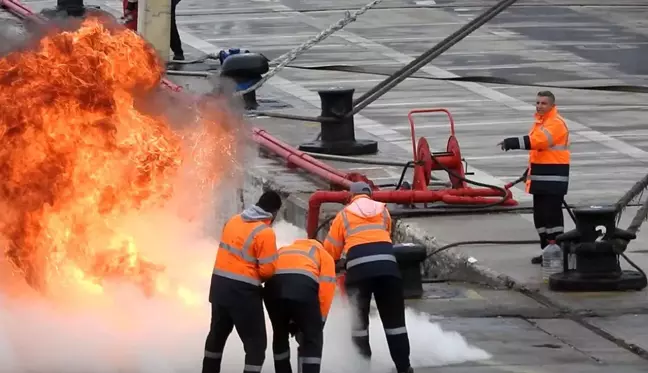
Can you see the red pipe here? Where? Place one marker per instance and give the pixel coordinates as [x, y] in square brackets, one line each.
[450, 196]
[300, 159]
[19, 10]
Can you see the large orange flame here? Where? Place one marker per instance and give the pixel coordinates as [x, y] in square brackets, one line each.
[77, 154]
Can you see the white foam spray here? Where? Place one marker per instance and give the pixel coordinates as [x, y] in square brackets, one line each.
[124, 331]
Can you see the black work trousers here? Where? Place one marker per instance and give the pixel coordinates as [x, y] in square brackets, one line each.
[308, 319]
[548, 217]
[248, 318]
[176, 44]
[388, 293]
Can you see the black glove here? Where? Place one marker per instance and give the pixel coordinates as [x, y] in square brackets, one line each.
[292, 328]
[299, 337]
[510, 143]
[340, 266]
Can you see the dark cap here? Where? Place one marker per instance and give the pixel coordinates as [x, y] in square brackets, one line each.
[360, 187]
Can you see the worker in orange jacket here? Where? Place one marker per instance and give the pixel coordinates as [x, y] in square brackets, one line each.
[246, 258]
[547, 177]
[360, 235]
[298, 299]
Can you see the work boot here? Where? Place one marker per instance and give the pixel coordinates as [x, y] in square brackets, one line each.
[410, 370]
[537, 260]
[178, 57]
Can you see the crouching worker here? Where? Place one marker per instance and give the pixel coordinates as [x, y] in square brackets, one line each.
[360, 235]
[298, 298]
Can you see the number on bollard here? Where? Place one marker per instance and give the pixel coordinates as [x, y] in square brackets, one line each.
[601, 230]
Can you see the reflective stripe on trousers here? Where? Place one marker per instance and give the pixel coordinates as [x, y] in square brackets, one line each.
[365, 332]
[360, 333]
[554, 178]
[553, 230]
[307, 360]
[252, 368]
[213, 355]
[396, 331]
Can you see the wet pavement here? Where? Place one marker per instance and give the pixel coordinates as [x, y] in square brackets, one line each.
[594, 43]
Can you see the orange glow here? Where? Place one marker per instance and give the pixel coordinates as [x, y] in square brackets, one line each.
[78, 154]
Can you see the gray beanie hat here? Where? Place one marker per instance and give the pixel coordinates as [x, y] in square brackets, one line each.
[360, 187]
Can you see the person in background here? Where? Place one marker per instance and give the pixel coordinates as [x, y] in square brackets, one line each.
[360, 236]
[547, 177]
[246, 258]
[130, 17]
[298, 299]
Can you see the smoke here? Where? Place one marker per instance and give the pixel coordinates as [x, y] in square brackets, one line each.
[124, 331]
[12, 34]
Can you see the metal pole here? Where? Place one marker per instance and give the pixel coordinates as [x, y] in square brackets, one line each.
[154, 24]
[393, 80]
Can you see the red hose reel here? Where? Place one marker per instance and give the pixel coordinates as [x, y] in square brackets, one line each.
[425, 161]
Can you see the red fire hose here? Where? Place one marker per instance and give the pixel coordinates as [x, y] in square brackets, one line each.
[300, 159]
[19, 10]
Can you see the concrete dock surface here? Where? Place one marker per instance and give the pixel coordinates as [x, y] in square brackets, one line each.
[568, 43]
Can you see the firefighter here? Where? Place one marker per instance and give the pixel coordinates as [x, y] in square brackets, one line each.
[246, 257]
[298, 298]
[360, 236]
[130, 17]
[547, 177]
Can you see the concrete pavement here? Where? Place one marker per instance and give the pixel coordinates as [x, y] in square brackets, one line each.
[599, 44]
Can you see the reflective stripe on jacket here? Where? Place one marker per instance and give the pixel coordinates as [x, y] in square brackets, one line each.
[361, 222]
[247, 249]
[549, 155]
[308, 258]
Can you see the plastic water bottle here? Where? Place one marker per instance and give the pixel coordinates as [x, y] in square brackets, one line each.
[552, 261]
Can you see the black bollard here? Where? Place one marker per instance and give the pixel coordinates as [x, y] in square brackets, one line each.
[596, 244]
[73, 8]
[409, 257]
[338, 136]
[246, 70]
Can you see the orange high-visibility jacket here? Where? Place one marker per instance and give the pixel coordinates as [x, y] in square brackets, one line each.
[362, 221]
[308, 257]
[549, 155]
[248, 248]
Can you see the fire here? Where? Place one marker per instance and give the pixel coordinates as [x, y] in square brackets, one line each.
[78, 154]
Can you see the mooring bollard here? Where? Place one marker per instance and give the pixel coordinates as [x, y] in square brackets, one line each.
[410, 257]
[338, 135]
[595, 245]
[246, 70]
